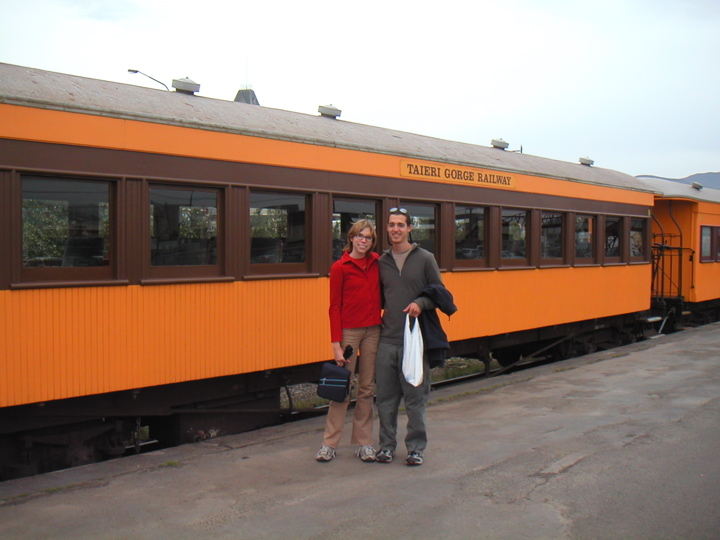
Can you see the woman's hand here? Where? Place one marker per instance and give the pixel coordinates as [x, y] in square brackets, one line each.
[338, 354]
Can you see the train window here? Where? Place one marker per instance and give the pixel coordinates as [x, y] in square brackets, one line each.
[613, 239]
[345, 213]
[514, 227]
[277, 228]
[716, 234]
[66, 224]
[706, 247]
[424, 231]
[584, 239]
[638, 240]
[183, 227]
[551, 237]
[470, 229]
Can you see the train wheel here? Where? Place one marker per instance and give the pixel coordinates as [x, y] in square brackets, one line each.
[629, 338]
[564, 350]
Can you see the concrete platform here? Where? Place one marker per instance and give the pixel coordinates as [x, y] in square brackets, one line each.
[618, 444]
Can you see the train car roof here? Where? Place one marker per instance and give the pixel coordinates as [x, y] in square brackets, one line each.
[44, 89]
[677, 190]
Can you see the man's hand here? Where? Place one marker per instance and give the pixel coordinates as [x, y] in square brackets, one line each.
[413, 310]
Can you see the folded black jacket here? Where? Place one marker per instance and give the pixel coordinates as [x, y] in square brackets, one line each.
[434, 338]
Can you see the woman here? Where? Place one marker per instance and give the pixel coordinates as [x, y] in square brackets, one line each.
[355, 321]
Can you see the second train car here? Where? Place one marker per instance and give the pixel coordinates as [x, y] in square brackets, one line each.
[686, 253]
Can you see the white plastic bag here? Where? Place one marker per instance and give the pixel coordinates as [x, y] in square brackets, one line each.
[413, 352]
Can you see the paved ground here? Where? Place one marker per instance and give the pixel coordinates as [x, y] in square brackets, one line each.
[620, 444]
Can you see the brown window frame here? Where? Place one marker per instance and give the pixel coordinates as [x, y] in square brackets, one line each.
[471, 263]
[714, 256]
[645, 257]
[553, 261]
[622, 236]
[58, 276]
[510, 262]
[594, 242]
[157, 274]
[279, 269]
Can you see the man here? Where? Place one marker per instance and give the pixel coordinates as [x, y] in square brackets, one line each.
[405, 270]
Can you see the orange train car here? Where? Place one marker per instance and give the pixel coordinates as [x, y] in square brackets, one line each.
[165, 256]
[686, 253]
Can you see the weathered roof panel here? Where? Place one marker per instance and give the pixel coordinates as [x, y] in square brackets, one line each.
[39, 88]
[678, 190]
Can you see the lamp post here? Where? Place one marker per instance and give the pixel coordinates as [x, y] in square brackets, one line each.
[149, 77]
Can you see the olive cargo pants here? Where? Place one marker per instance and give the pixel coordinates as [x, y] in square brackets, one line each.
[391, 388]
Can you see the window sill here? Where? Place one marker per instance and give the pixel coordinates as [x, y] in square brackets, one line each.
[523, 267]
[257, 277]
[472, 269]
[554, 265]
[177, 280]
[66, 284]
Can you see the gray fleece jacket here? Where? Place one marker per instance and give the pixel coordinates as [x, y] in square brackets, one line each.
[400, 289]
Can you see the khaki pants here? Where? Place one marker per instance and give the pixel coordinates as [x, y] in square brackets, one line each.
[365, 341]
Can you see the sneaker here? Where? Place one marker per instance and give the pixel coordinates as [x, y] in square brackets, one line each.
[414, 458]
[325, 454]
[365, 452]
[384, 456]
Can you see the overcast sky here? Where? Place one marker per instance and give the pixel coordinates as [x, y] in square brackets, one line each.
[632, 84]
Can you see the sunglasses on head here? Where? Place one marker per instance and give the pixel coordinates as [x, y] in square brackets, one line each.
[395, 209]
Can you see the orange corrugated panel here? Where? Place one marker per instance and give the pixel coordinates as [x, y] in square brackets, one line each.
[59, 343]
[496, 302]
[9, 357]
[29, 377]
[200, 331]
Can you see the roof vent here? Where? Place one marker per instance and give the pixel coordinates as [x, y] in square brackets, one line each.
[697, 185]
[499, 143]
[185, 86]
[247, 96]
[329, 111]
[586, 161]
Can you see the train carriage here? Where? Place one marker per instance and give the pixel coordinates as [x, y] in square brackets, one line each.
[165, 255]
[686, 253]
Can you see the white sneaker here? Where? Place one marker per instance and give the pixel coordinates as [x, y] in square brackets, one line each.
[365, 452]
[325, 454]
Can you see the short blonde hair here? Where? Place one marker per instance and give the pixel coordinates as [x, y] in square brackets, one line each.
[358, 227]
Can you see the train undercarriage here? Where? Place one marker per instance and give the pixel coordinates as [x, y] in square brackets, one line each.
[44, 437]
[559, 342]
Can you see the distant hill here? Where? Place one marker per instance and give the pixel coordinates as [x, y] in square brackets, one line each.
[709, 180]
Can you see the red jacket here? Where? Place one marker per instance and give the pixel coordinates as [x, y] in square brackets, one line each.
[354, 294]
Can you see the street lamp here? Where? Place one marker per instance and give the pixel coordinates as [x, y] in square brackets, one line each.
[149, 77]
